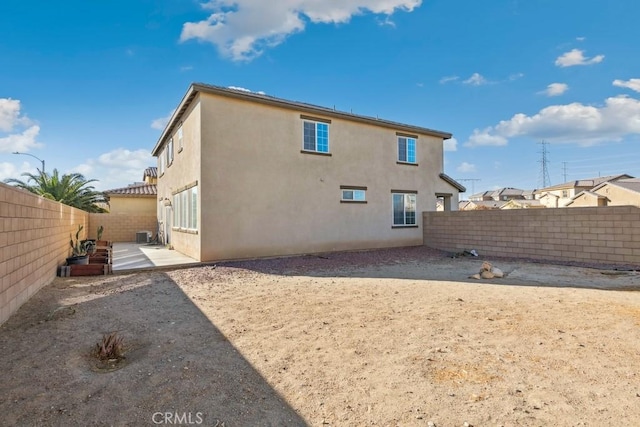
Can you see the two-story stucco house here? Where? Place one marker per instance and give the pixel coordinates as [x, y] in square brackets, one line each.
[243, 175]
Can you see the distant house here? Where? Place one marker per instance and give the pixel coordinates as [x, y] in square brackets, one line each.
[501, 194]
[522, 204]
[138, 198]
[560, 195]
[243, 175]
[622, 192]
[470, 205]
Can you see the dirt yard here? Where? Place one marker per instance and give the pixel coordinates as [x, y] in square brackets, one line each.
[388, 338]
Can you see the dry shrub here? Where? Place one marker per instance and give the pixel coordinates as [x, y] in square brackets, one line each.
[110, 348]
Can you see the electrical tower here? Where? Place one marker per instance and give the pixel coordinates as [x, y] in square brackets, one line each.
[544, 165]
[564, 171]
[472, 181]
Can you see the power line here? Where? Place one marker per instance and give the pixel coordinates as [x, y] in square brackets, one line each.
[473, 183]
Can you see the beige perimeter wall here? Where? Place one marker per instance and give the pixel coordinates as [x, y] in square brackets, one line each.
[121, 227]
[609, 235]
[34, 241]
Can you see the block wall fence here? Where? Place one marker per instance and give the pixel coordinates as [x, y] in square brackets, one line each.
[605, 235]
[34, 241]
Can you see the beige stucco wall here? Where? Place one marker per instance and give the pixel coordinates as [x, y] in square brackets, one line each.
[132, 205]
[184, 170]
[619, 196]
[121, 227]
[260, 196]
[560, 201]
[34, 241]
[606, 235]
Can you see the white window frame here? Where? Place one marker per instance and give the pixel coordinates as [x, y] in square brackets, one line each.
[355, 191]
[162, 162]
[185, 208]
[180, 137]
[169, 151]
[408, 140]
[406, 196]
[316, 123]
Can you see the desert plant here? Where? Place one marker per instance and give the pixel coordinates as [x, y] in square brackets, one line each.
[78, 248]
[110, 348]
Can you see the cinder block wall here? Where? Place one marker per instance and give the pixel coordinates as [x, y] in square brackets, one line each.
[121, 227]
[608, 235]
[34, 241]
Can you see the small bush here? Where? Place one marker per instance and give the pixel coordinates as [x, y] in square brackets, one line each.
[111, 347]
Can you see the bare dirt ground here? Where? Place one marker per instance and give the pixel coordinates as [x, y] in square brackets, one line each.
[388, 338]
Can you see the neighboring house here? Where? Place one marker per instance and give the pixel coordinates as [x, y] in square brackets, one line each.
[623, 192]
[469, 205]
[243, 175]
[501, 194]
[560, 195]
[522, 204]
[138, 198]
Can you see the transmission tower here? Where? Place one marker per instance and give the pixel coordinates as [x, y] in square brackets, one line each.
[564, 171]
[544, 165]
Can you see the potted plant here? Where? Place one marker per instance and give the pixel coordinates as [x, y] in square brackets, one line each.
[79, 250]
[99, 241]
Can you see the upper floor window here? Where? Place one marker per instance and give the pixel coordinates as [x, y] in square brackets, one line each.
[169, 151]
[315, 136]
[406, 149]
[180, 139]
[162, 161]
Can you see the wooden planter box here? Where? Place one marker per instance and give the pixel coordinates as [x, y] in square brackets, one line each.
[99, 264]
[85, 270]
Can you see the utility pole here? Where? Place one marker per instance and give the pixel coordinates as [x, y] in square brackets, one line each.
[544, 165]
[473, 183]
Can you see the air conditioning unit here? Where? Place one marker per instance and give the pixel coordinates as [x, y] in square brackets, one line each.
[143, 236]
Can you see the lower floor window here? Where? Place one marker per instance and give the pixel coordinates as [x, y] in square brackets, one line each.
[404, 209]
[185, 209]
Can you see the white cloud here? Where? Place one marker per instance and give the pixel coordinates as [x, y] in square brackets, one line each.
[516, 76]
[17, 132]
[117, 168]
[10, 170]
[451, 144]
[570, 123]
[448, 79]
[581, 39]
[476, 79]
[242, 29]
[161, 122]
[465, 167]
[633, 84]
[556, 89]
[576, 57]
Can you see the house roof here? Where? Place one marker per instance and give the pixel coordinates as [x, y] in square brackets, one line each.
[582, 183]
[461, 188]
[138, 189]
[631, 184]
[261, 98]
[585, 193]
[151, 172]
[524, 203]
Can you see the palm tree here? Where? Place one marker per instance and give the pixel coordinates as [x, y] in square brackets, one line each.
[70, 189]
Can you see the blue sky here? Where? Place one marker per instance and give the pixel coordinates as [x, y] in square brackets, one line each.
[87, 86]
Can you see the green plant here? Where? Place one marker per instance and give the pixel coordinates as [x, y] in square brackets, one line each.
[78, 248]
[100, 230]
[110, 348]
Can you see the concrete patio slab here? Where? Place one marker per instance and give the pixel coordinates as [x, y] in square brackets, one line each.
[132, 256]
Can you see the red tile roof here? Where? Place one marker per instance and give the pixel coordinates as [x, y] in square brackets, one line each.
[138, 189]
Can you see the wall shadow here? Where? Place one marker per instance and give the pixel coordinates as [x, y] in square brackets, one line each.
[177, 361]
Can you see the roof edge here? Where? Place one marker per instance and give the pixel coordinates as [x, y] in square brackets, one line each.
[194, 88]
[453, 182]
